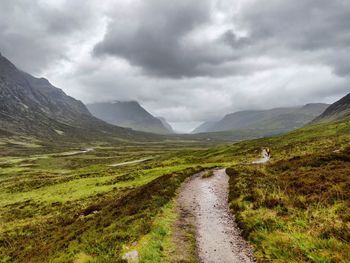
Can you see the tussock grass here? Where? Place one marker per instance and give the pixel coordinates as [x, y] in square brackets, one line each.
[208, 174]
[295, 210]
[152, 247]
[56, 208]
[78, 209]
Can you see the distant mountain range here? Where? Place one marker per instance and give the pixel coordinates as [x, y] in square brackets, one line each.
[129, 114]
[32, 106]
[204, 127]
[337, 111]
[261, 123]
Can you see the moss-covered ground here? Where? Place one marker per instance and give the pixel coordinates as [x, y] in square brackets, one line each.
[297, 208]
[59, 207]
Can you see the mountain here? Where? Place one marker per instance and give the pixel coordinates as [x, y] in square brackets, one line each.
[337, 111]
[166, 124]
[204, 127]
[128, 114]
[254, 124]
[243, 119]
[33, 106]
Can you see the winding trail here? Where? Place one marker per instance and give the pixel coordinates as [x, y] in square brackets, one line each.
[65, 154]
[131, 162]
[218, 238]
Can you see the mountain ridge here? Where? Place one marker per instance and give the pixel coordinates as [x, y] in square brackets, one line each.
[337, 111]
[129, 114]
[33, 106]
[262, 123]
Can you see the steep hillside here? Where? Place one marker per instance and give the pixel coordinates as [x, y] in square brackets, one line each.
[337, 111]
[291, 120]
[296, 207]
[204, 127]
[32, 106]
[128, 114]
[245, 119]
[255, 124]
[166, 124]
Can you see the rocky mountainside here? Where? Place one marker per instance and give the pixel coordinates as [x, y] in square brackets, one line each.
[337, 111]
[32, 106]
[264, 122]
[129, 114]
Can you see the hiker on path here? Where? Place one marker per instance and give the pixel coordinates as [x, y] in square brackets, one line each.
[266, 153]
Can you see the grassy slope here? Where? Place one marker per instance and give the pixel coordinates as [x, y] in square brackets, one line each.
[296, 209]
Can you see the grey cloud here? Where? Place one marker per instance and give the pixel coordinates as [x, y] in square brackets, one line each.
[207, 98]
[156, 43]
[231, 38]
[267, 54]
[303, 29]
[280, 29]
[37, 34]
[309, 24]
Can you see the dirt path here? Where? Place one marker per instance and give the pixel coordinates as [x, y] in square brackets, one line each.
[217, 236]
[130, 162]
[65, 154]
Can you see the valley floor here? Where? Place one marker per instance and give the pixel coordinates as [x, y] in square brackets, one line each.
[78, 208]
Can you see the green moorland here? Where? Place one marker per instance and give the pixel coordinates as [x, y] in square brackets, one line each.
[61, 206]
[297, 208]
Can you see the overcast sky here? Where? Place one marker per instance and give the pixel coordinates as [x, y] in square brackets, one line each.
[186, 60]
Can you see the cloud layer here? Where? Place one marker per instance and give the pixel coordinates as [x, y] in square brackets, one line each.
[186, 61]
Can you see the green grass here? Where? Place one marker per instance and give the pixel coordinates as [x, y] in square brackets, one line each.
[80, 188]
[160, 246]
[153, 245]
[56, 208]
[297, 208]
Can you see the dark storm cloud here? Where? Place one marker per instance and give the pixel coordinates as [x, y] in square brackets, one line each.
[317, 29]
[305, 25]
[230, 37]
[36, 34]
[312, 30]
[156, 42]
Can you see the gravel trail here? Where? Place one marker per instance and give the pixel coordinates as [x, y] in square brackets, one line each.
[218, 238]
